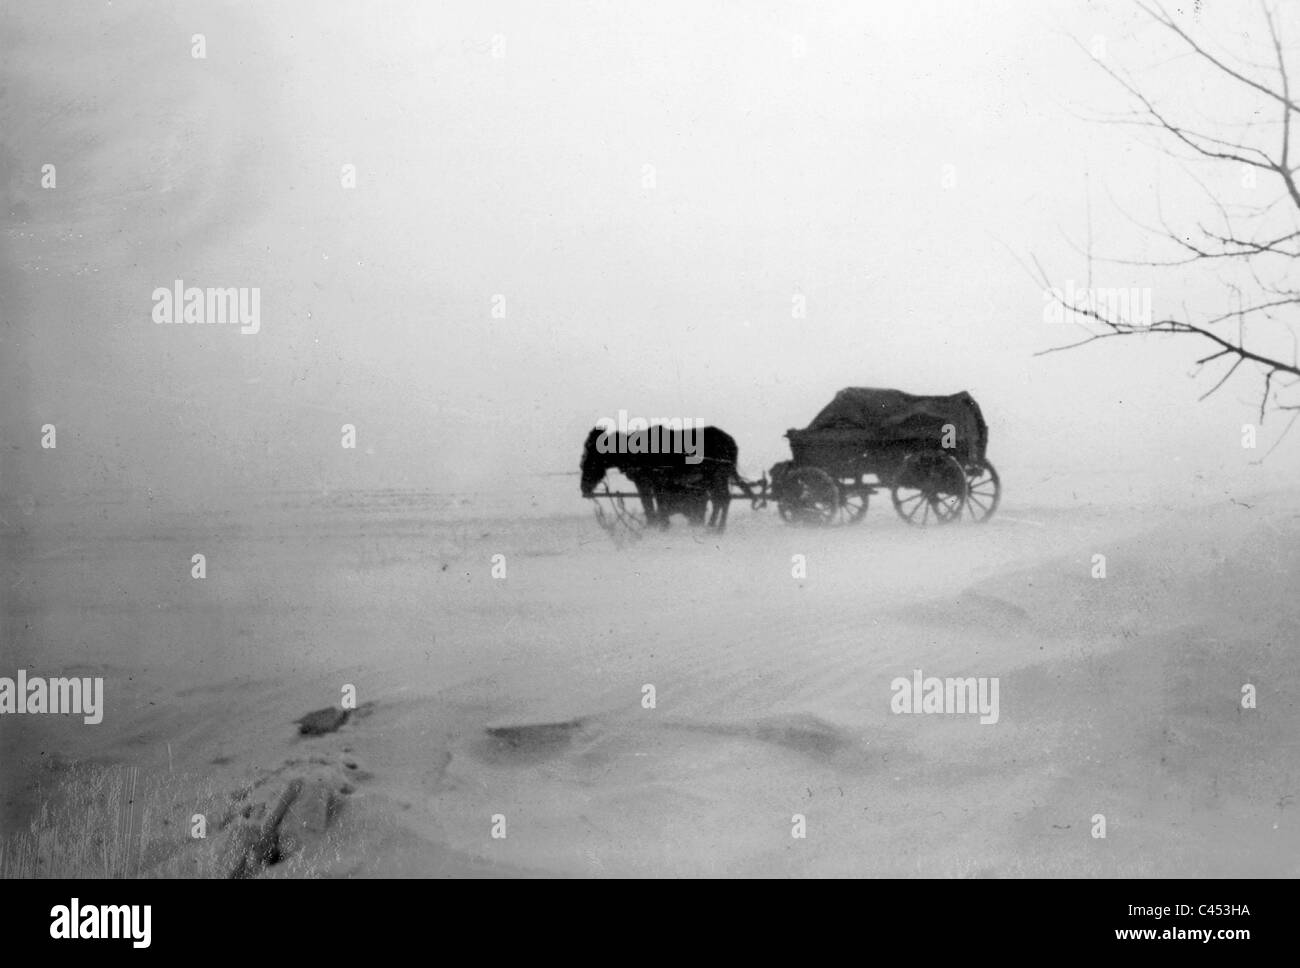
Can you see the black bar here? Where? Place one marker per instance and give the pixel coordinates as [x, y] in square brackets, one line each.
[215, 918]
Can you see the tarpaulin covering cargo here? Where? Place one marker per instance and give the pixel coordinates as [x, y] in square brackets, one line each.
[893, 420]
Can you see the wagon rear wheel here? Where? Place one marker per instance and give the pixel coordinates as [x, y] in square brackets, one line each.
[983, 491]
[929, 489]
[808, 496]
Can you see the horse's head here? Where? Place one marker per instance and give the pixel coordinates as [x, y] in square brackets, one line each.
[594, 462]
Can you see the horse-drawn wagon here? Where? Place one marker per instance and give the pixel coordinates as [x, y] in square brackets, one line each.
[928, 452]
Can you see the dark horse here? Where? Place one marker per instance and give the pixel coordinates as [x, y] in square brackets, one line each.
[666, 480]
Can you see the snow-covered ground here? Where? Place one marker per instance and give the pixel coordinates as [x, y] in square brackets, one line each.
[518, 704]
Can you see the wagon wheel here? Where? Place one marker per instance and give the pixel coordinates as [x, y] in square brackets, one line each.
[983, 491]
[808, 496]
[853, 502]
[929, 488]
[633, 516]
[622, 523]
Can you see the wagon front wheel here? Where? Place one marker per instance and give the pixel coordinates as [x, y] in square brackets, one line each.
[983, 491]
[929, 489]
[853, 502]
[808, 496]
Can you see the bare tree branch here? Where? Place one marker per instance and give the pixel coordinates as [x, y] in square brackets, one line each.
[1243, 242]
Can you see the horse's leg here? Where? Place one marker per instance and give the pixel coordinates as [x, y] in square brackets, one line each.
[662, 506]
[719, 495]
[694, 505]
[721, 504]
[664, 502]
[648, 503]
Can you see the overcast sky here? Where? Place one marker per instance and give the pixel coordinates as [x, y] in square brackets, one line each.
[649, 187]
